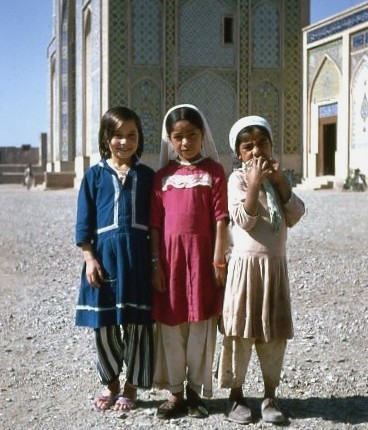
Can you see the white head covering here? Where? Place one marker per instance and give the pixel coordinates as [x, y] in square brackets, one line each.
[276, 214]
[167, 150]
[246, 122]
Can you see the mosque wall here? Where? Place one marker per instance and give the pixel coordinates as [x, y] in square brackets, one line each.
[229, 57]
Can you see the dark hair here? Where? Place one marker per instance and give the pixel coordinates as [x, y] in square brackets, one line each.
[184, 113]
[111, 121]
[249, 129]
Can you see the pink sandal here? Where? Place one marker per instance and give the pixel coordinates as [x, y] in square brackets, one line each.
[124, 404]
[106, 402]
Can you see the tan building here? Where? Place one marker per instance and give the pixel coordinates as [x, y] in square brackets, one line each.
[229, 57]
[335, 91]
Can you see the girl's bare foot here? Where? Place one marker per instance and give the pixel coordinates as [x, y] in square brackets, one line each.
[107, 398]
[127, 400]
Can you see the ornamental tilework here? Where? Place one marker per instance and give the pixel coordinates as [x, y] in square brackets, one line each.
[360, 107]
[118, 51]
[146, 101]
[216, 98]
[338, 26]
[200, 37]
[292, 94]
[266, 102]
[169, 80]
[265, 25]
[317, 55]
[243, 91]
[146, 32]
[157, 53]
[327, 82]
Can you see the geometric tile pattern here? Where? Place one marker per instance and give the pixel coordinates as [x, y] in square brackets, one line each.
[200, 37]
[292, 82]
[169, 81]
[146, 32]
[266, 102]
[146, 101]
[243, 90]
[216, 99]
[265, 27]
[118, 52]
[260, 71]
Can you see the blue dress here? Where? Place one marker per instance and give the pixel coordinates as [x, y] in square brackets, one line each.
[114, 217]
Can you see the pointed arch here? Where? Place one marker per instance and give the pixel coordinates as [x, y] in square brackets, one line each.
[327, 82]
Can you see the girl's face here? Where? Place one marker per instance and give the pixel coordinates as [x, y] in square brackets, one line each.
[124, 143]
[254, 144]
[186, 139]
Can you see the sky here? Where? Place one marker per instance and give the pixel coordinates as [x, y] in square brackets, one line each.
[25, 33]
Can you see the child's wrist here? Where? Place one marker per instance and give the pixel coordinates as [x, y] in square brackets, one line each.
[219, 265]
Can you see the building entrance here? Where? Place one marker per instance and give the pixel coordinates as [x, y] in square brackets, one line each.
[326, 146]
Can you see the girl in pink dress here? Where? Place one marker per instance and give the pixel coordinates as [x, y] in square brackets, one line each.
[257, 309]
[188, 235]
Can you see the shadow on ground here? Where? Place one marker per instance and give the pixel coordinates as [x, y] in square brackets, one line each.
[347, 410]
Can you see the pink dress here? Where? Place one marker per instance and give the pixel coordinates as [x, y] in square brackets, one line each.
[187, 202]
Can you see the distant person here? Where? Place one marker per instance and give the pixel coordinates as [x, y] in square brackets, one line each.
[112, 229]
[189, 219]
[256, 308]
[28, 177]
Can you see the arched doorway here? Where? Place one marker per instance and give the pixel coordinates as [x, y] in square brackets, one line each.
[327, 134]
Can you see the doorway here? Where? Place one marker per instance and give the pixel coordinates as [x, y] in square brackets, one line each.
[326, 146]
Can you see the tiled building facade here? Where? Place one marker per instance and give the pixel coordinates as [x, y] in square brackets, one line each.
[229, 57]
[335, 137]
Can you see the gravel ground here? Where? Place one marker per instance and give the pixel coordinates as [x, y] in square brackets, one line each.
[48, 377]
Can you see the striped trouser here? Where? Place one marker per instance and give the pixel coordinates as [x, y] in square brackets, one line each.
[131, 345]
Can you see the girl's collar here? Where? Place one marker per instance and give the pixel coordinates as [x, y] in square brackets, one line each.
[189, 163]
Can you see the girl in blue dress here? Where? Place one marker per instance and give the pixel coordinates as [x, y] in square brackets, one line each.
[112, 231]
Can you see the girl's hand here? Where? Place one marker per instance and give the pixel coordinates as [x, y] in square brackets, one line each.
[258, 170]
[276, 175]
[158, 278]
[280, 181]
[220, 274]
[94, 272]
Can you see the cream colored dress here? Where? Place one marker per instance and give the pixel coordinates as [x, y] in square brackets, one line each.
[257, 296]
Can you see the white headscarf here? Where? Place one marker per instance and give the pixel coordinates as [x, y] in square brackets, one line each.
[276, 214]
[246, 122]
[167, 150]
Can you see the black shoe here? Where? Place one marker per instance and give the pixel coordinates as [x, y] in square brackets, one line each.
[196, 406]
[169, 410]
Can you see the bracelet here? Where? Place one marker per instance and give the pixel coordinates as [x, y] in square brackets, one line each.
[219, 265]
